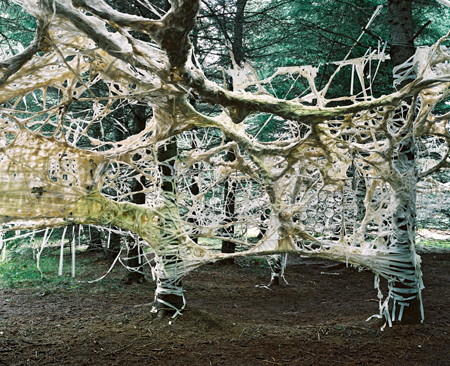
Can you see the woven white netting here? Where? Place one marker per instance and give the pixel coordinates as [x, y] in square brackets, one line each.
[331, 182]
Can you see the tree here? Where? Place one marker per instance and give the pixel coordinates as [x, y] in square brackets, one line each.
[137, 125]
[230, 185]
[402, 49]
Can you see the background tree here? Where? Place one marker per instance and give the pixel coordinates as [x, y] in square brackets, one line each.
[402, 49]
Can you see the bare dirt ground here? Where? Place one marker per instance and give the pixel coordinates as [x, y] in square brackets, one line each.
[318, 319]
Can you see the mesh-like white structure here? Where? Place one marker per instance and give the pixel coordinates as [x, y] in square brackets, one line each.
[331, 182]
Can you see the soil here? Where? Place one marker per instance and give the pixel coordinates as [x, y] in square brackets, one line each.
[319, 318]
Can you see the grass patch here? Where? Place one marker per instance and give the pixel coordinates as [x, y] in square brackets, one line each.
[20, 271]
[254, 261]
[433, 244]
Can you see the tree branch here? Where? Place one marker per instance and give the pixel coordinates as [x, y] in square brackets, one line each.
[420, 30]
[137, 23]
[15, 63]
[171, 32]
[209, 92]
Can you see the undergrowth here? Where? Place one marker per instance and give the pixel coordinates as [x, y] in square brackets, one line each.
[433, 245]
[20, 271]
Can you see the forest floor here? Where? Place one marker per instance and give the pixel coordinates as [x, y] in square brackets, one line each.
[319, 318]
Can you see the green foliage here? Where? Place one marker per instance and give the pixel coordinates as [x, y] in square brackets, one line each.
[259, 261]
[20, 270]
[425, 10]
[16, 27]
[433, 244]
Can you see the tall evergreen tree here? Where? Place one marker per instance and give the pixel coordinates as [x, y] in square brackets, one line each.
[402, 49]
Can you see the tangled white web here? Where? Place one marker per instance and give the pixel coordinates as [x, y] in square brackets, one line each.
[331, 182]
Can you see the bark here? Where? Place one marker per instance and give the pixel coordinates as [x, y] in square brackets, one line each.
[39, 43]
[402, 48]
[112, 246]
[277, 263]
[230, 185]
[168, 294]
[238, 38]
[401, 31]
[229, 194]
[194, 189]
[137, 124]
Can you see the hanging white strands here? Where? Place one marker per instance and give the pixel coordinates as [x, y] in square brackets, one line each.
[61, 253]
[109, 238]
[44, 242]
[80, 230]
[109, 270]
[374, 15]
[29, 233]
[352, 80]
[2, 246]
[73, 252]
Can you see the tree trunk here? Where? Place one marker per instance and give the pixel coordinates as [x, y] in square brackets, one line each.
[406, 303]
[238, 36]
[230, 185]
[229, 194]
[136, 125]
[113, 244]
[169, 297]
[401, 30]
[169, 292]
[277, 263]
[194, 189]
